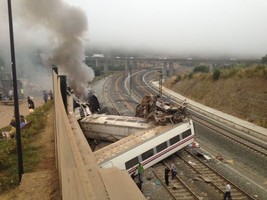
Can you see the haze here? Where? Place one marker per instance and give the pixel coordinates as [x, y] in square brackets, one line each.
[180, 27]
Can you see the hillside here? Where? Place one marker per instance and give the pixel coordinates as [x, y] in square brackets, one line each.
[238, 91]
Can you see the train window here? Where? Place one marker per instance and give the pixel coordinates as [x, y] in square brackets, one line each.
[186, 133]
[161, 146]
[147, 154]
[175, 139]
[131, 163]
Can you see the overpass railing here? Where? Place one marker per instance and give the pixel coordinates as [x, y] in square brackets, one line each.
[74, 181]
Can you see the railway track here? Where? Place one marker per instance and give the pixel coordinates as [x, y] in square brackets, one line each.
[234, 138]
[176, 188]
[119, 103]
[216, 180]
[199, 168]
[182, 187]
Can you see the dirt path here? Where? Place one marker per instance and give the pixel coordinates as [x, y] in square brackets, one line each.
[7, 112]
[43, 183]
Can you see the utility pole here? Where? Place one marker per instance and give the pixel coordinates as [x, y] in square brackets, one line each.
[15, 91]
[130, 80]
[160, 84]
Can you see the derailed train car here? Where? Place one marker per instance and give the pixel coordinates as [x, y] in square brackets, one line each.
[174, 131]
[157, 146]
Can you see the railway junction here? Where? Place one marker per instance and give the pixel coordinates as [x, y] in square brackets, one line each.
[196, 177]
[246, 176]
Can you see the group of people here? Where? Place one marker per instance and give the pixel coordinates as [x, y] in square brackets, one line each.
[46, 95]
[31, 105]
[22, 122]
[173, 171]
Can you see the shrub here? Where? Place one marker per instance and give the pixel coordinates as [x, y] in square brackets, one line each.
[8, 157]
[178, 78]
[216, 74]
[201, 68]
[190, 75]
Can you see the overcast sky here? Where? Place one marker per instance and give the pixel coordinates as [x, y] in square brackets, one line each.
[205, 27]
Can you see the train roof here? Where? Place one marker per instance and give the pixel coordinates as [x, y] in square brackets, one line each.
[115, 120]
[127, 143]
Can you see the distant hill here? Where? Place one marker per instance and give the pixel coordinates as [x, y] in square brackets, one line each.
[240, 91]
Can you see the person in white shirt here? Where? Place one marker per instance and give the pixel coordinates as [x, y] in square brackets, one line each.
[227, 194]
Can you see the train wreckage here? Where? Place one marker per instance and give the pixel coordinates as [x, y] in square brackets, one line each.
[153, 108]
[150, 113]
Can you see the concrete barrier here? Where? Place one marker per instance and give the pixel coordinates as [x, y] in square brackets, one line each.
[79, 175]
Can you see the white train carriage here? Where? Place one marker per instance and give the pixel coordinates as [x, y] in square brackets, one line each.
[152, 149]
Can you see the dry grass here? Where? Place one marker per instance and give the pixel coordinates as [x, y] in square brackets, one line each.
[241, 92]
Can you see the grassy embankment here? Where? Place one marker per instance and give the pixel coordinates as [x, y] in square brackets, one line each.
[31, 155]
[239, 90]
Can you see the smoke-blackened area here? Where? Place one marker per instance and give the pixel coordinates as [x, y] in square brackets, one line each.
[51, 32]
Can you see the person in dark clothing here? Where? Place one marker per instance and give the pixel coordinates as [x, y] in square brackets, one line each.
[139, 185]
[167, 171]
[133, 175]
[30, 105]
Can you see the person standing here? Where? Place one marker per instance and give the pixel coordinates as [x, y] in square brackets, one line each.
[140, 169]
[173, 170]
[45, 96]
[166, 175]
[10, 94]
[227, 194]
[51, 95]
[30, 105]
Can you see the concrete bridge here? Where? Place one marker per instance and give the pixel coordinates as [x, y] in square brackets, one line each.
[167, 65]
[79, 175]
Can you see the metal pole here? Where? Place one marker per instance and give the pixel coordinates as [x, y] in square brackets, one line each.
[15, 92]
[63, 88]
[130, 80]
[160, 84]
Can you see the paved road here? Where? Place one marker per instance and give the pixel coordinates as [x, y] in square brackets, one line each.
[6, 112]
